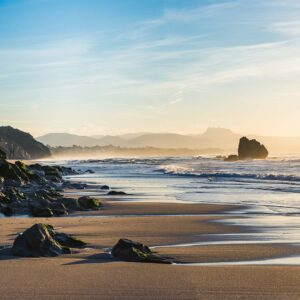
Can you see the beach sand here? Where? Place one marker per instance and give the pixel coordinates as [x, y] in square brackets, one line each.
[91, 273]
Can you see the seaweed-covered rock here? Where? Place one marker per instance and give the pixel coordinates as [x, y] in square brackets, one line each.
[70, 203]
[87, 202]
[53, 172]
[41, 212]
[58, 208]
[38, 241]
[134, 251]
[4, 199]
[8, 171]
[116, 193]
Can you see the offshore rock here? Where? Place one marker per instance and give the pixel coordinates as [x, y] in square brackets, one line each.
[251, 149]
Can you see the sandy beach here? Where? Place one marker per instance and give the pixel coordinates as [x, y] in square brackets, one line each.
[92, 274]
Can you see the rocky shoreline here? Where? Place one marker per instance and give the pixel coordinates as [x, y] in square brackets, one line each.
[36, 190]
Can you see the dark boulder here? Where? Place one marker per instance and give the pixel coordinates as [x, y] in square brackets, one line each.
[104, 187]
[116, 193]
[6, 210]
[2, 154]
[4, 199]
[87, 202]
[251, 149]
[38, 241]
[231, 157]
[53, 172]
[41, 212]
[42, 240]
[70, 203]
[58, 208]
[8, 171]
[68, 241]
[134, 251]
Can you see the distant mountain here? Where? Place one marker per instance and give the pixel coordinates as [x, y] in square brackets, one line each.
[166, 141]
[67, 140]
[21, 145]
[217, 138]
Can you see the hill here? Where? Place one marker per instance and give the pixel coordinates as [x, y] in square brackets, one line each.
[216, 138]
[21, 145]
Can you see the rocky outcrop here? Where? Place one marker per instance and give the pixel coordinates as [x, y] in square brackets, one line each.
[134, 251]
[35, 190]
[249, 149]
[20, 145]
[41, 240]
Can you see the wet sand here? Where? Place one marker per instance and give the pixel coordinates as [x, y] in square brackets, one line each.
[91, 273]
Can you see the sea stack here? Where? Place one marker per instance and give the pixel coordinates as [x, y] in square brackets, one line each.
[249, 149]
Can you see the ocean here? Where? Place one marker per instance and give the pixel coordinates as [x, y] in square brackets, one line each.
[268, 189]
[268, 186]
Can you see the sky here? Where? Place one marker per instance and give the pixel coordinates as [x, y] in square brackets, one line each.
[117, 66]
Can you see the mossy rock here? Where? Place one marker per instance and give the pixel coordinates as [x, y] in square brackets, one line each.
[38, 241]
[87, 202]
[52, 171]
[26, 172]
[134, 251]
[4, 199]
[41, 240]
[41, 212]
[8, 171]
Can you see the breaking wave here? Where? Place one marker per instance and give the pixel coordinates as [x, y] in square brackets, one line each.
[183, 171]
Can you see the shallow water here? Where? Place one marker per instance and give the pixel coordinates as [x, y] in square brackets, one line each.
[269, 188]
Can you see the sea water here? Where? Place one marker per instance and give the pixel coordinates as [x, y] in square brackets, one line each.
[268, 189]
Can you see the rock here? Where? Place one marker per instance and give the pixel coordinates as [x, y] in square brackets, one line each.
[87, 202]
[4, 199]
[41, 212]
[38, 241]
[77, 186]
[116, 193]
[52, 172]
[8, 171]
[231, 157]
[68, 241]
[104, 187]
[2, 154]
[134, 251]
[6, 210]
[58, 208]
[42, 240]
[70, 203]
[251, 149]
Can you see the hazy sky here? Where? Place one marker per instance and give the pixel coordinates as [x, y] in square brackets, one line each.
[115, 66]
